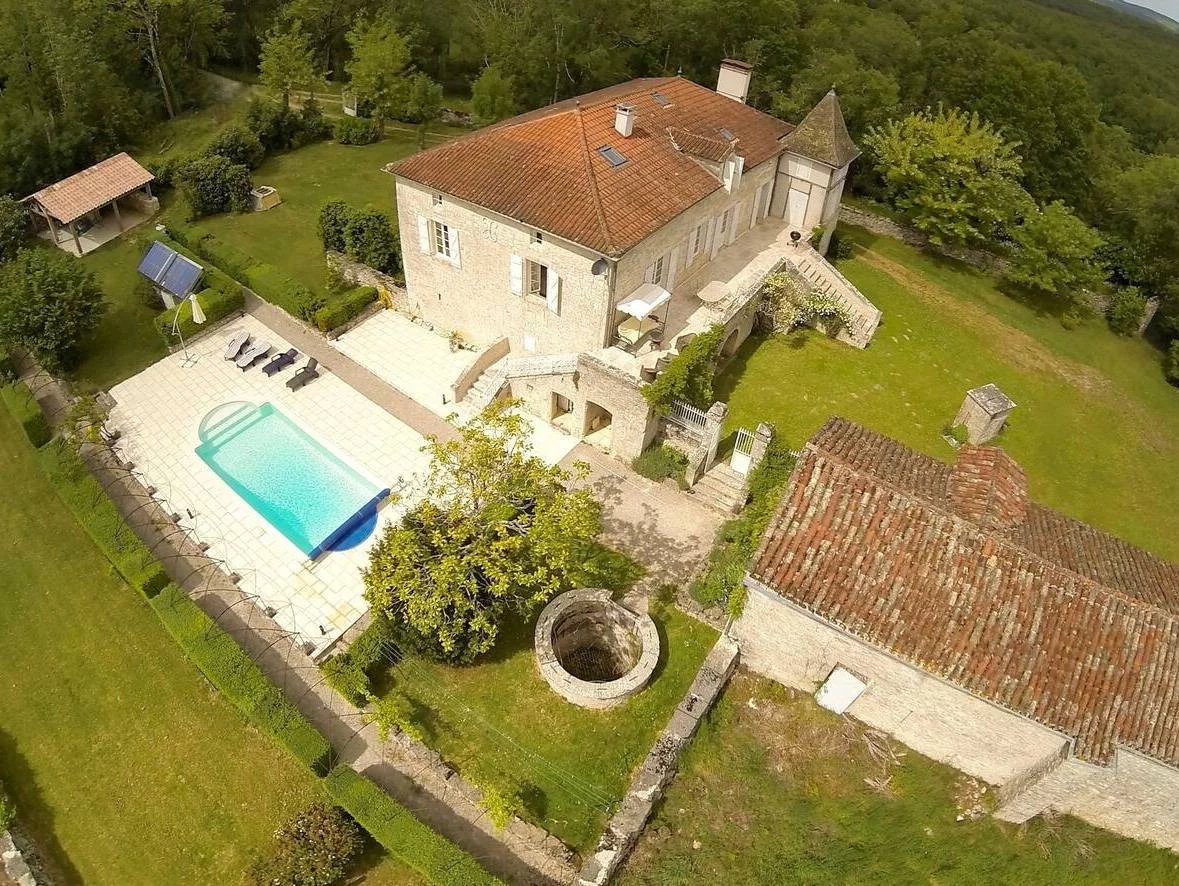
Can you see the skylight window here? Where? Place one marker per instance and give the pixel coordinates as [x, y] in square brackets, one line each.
[728, 135]
[612, 156]
[660, 99]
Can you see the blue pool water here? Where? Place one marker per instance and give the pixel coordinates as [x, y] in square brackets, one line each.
[314, 498]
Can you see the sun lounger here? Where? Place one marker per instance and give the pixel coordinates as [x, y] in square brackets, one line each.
[304, 375]
[236, 342]
[253, 354]
[281, 362]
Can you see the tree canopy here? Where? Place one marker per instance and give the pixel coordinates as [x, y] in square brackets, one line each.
[49, 303]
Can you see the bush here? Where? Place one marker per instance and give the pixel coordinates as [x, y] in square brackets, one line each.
[840, 249]
[227, 258]
[738, 538]
[7, 367]
[350, 672]
[276, 127]
[660, 462]
[215, 303]
[343, 307]
[1125, 310]
[1171, 364]
[357, 131]
[147, 294]
[313, 126]
[233, 672]
[689, 375]
[23, 406]
[370, 240]
[402, 835]
[333, 218]
[279, 289]
[165, 169]
[14, 227]
[101, 520]
[213, 184]
[238, 145]
[313, 849]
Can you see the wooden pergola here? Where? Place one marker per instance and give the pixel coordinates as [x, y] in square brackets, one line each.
[64, 203]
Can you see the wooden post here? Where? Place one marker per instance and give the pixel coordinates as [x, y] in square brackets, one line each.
[77, 242]
[52, 227]
[147, 188]
[118, 216]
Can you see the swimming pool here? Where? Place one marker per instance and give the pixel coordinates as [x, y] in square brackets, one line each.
[310, 495]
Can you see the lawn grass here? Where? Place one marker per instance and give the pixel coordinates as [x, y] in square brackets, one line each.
[501, 725]
[772, 790]
[1096, 428]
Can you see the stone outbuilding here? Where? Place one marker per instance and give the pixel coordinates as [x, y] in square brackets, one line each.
[982, 629]
[983, 413]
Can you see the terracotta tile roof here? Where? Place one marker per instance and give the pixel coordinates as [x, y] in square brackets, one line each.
[687, 142]
[545, 169]
[953, 569]
[823, 135]
[73, 197]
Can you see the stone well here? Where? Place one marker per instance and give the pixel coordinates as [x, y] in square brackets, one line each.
[594, 652]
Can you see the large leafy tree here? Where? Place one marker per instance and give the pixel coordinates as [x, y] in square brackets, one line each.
[866, 95]
[493, 95]
[951, 173]
[496, 535]
[379, 69]
[14, 227]
[1056, 253]
[286, 62]
[49, 303]
[1145, 211]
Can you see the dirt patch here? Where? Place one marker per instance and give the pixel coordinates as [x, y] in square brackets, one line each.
[1018, 347]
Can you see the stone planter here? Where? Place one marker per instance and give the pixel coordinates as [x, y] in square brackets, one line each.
[593, 652]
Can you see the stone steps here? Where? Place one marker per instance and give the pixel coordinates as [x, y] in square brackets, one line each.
[722, 489]
[488, 386]
[826, 279]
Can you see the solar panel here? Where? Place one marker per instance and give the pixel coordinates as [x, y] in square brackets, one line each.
[728, 135]
[181, 277]
[155, 261]
[612, 156]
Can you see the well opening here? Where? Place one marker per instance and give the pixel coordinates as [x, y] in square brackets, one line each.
[596, 645]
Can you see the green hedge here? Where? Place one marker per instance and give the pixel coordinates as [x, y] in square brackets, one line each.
[228, 258]
[234, 673]
[215, 303]
[23, 406]
[349, 672]
[343, 307]
[100, 518]
[279, 289]
[357, 131]
[405, 838]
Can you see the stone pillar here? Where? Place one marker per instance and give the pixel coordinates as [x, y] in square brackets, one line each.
[983, 413]
[705, 454]
[761, 443]
[118, 215]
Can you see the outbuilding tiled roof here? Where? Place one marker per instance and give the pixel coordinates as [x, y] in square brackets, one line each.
[954, 569]
[545, 168]
[92, 188]
[822, 135]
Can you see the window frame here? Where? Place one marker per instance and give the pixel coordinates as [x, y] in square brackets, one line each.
[541, 273]
[659, 270]
[441, 240]
[698, 241]
[436, 199]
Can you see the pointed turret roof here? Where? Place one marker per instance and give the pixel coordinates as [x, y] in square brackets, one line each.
[823, 135]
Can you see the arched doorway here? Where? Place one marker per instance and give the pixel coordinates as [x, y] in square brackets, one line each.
[597, 430]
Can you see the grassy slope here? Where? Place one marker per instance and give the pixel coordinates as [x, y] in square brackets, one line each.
[1097, 428]
[513, 708]
[773, 791]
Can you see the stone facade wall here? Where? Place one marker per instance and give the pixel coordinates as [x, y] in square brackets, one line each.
[475, 296]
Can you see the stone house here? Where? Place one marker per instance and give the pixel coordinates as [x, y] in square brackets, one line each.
[940, 603]
[586, 242]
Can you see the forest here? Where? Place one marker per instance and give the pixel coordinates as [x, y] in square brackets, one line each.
[1086, 97]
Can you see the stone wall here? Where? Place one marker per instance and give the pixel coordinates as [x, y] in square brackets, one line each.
[362, 275]
[886, 227]
[14, 864]
[657, 771]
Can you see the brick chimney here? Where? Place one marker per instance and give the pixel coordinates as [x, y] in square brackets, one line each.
[733, 80]
[987, 487]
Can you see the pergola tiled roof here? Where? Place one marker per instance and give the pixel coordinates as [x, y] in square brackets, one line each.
[955, 570]
[545, 169]
[83, 192]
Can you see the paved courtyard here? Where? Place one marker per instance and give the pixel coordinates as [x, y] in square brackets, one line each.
[158, 413]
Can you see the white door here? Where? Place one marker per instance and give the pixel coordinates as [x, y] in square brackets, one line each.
[796, 205]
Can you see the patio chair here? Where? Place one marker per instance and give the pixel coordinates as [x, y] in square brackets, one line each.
[304, 375]
[237, 341]
[281, 362]
[252, 355]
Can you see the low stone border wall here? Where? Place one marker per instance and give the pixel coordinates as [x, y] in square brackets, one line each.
[657, 771]
[14, 863]
[886, 227]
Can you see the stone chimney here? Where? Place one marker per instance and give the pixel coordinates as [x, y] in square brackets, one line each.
[733, 81]
[987, 487]
[624, 120]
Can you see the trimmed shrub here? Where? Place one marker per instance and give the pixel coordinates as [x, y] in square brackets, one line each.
[660, 462]
[227, 258]
[402, 835]
[1125, 310]
[1171, 363]
[233, 672]
[238, 145]
[101, 520]
[212, 184]
[369, 239]
[166, 168]
[357, 131]
[333, 218]
[313, 849]
[350, 672]
[23, 406]
[215, 303]
[343, 307]
[313, 126]
[276, 127]
[279, 289]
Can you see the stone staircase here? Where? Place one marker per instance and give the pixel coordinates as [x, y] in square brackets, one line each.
[488, 385]
[824, 278]
[722, 489]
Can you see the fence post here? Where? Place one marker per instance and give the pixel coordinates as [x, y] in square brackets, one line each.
[761, 442]
[701, 460]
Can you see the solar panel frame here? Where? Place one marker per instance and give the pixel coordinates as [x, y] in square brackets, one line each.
[613, 157]
[182, 276]
[155, 261]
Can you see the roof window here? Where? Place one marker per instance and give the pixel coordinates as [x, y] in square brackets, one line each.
[727, 134]
[660, 99]
[612, 156]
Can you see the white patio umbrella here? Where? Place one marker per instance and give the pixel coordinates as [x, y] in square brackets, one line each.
[198, 315]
